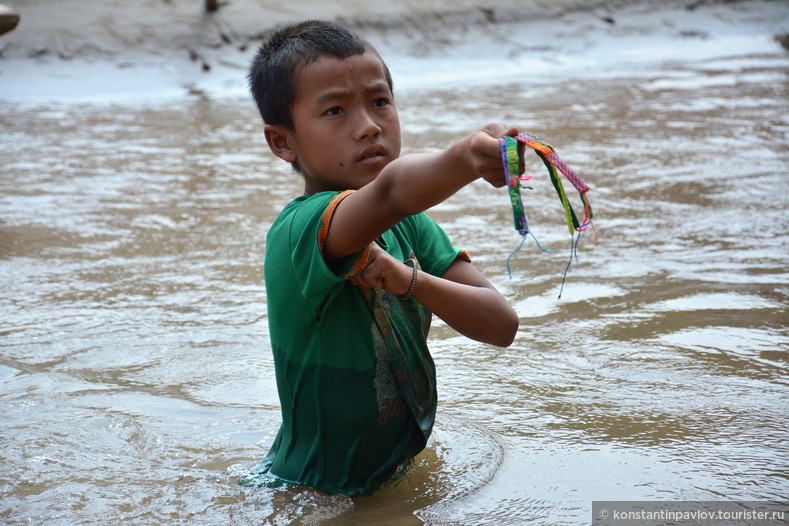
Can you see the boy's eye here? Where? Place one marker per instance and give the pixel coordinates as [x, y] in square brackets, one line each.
[333, 111]
[380, 103]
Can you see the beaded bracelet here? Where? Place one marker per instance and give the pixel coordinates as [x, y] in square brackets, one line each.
[411, 288]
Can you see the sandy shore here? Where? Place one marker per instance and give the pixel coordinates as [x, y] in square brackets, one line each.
[104, 47]
[104, 29]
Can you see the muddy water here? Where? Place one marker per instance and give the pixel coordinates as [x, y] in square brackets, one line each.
[136, 381]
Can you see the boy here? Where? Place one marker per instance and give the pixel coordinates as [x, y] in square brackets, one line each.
[354, 268]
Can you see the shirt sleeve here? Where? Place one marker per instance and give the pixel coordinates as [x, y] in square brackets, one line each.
[307, 229]
[431, 245]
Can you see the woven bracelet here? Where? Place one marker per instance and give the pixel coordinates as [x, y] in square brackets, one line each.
[411, 288]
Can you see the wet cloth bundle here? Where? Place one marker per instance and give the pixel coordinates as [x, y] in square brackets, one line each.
[511, 162]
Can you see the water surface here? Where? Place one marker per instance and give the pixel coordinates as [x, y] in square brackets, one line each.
[135, 368]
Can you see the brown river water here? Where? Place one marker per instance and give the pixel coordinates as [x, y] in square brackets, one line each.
[136, 380]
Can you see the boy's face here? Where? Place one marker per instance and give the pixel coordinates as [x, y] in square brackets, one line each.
[346, 123]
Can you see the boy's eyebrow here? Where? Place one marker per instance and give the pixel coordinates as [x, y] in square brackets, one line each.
[339, 93]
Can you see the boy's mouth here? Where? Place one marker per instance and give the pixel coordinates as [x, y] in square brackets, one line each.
[372, 153]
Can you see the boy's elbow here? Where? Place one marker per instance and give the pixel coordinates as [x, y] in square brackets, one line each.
[508, 329]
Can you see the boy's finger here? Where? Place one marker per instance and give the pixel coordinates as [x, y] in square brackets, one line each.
[495, 130]
[512, 131]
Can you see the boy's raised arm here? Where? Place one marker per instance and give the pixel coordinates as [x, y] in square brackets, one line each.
[412, 184]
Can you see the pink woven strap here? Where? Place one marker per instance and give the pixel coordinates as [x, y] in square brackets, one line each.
[537, 144]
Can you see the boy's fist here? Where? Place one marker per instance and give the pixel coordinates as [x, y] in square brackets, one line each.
[484, 151]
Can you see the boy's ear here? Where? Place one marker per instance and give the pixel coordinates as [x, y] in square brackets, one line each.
[279, 141]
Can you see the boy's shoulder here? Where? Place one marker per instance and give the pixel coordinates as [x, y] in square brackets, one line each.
[304, 217]
[307, 205]
[309, 213]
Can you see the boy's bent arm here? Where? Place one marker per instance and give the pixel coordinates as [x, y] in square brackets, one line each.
[468, 303]
[462, 297]
[412, 184]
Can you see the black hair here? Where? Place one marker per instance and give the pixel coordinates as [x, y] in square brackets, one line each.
[272, 74]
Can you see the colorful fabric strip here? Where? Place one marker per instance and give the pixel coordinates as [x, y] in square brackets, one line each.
[511, 162]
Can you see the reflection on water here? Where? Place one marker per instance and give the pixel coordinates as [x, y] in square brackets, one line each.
[136, 376]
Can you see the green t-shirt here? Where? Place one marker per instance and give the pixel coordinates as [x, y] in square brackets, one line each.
[355, 378]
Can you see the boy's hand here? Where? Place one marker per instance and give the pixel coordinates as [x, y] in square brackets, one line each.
[484, 153]
[384, 272]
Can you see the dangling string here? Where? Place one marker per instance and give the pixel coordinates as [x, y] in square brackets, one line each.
[573, 255]
[518, 248]
[511, 162]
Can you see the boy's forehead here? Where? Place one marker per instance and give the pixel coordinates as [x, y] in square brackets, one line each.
[330, 66]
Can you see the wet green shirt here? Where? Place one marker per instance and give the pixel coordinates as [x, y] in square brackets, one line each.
[355, 378]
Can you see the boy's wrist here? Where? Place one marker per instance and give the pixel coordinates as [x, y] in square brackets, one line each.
[461, 153]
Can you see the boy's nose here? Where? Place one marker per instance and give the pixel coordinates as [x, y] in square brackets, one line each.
[367, 128]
